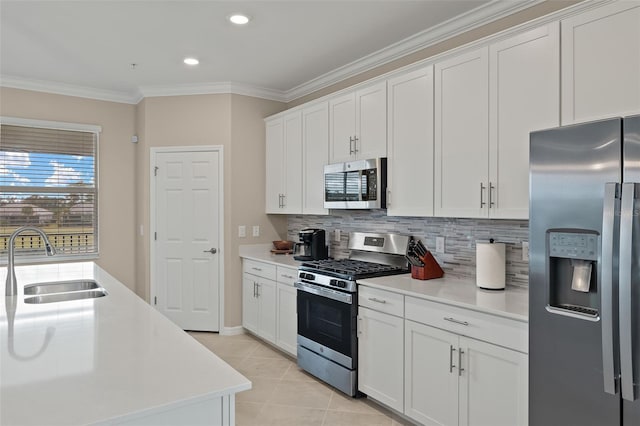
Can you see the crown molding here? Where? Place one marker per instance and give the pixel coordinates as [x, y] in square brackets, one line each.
[212, 88]
[67, 89]
[475, 18]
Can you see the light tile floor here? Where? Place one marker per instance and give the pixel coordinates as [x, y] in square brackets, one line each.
[283, 394]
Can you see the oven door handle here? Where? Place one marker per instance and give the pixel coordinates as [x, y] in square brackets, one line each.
[324, 292]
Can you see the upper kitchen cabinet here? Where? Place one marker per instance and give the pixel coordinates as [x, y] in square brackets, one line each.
[601, 63]
[358, 124]
[487, 102]
[315, 154]
[284, 164]
[462, 135]
[524, 94]
[410, 144]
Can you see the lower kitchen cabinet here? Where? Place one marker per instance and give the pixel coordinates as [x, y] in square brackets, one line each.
[287, 320]
[380, 353]
[259, 306]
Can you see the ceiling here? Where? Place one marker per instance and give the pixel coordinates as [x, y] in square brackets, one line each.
[288, 49]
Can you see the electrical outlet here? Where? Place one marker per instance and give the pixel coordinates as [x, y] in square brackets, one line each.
[336, 235]
[141, 230]
[242, 231]
[439, 244]
[525, 251]
[256, 230]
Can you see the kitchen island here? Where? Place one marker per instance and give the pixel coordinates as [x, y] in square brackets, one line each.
[108, 360]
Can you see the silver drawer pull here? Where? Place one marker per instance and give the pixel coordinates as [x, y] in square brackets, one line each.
[456, 321]
[373, 299]
[256, 269]
[288, 276]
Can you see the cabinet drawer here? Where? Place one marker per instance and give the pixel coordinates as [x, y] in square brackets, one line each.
[381, 300]
[286, 275]
[265, 270]
[478, 325]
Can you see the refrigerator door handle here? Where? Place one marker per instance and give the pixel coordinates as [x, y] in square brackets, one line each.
[625, 288]
[611, 192]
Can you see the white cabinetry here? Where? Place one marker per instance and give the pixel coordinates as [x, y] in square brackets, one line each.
[269, 303]
[380, 346]
[454, 378]
[601, 63]
[287, 317]
[410, 144]
[284, 164]
[315, 154]
[486, 103]
[358, 124]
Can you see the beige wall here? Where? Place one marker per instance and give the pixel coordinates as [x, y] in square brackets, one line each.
[236, 123]
[116, 180]
[537, 11]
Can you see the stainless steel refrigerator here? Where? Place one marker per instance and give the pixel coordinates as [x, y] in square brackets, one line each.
[584, 274]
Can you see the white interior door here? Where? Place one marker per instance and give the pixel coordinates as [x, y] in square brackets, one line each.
[187, 258]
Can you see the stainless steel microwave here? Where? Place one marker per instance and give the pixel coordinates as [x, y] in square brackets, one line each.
[360, 184]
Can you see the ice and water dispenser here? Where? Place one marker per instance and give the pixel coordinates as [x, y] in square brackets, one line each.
[572, 257]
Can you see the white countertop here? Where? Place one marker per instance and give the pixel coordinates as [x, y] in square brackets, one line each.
[87, 361]
[513, 302]
[262, 253]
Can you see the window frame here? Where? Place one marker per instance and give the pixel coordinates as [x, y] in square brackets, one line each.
[77, 127]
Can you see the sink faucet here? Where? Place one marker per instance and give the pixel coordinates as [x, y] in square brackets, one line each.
[12, 286]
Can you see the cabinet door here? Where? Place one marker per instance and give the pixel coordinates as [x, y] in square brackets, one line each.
[342, 127]
[380, 357]
[524, 74]
[493, 385]
[267, 310]
[462, 135]
[315, 131]
[431, 375]
[249, 302]
[371, 122]
[292, 164]
[410, 149]
[287, 319]
[601, 63]
[274, 160]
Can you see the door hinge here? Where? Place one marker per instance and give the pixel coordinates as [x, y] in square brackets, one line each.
[155, 170]
[155, 300]
[155, 236]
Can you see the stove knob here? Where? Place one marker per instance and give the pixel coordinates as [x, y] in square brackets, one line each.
[310, 277]
[333, 283]
[341, 284]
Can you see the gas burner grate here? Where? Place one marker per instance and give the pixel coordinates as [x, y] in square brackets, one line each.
[352, 268]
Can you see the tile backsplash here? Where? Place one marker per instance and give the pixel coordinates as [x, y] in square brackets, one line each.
[460, 235]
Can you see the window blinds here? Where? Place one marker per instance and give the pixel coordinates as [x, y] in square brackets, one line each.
[48, 179]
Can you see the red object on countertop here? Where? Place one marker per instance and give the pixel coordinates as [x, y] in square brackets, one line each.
[430, 270]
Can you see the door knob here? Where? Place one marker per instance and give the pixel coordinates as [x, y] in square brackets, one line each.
[211, 250]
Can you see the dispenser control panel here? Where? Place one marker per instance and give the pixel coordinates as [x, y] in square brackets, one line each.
[573, 245]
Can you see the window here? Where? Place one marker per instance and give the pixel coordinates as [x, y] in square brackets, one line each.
[48, 174]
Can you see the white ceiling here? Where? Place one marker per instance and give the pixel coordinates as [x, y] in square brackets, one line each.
[289, 49]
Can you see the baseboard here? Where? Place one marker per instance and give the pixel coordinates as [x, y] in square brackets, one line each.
[232, 331]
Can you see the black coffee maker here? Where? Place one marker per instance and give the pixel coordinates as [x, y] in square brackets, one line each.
[312, 245]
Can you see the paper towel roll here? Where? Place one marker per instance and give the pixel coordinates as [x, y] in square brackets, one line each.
[490, 265]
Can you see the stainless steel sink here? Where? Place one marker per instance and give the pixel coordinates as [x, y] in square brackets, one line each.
[63, 297]
[59, 287]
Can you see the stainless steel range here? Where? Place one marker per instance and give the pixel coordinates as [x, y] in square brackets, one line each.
[328, 305]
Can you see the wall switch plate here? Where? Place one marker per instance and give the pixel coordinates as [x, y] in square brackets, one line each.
[439, 244]
[525, 251]
[242, 231]
[336, 235]
[141, 230]
[256, 230]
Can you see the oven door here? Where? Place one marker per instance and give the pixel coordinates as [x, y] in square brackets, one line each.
[327, 323]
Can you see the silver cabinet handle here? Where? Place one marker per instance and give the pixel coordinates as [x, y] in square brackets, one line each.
[256, 269]
[460, 369]
[611, 193]
[288, 276]
[359, 328]
[373, 299]
[284, 198]
[625, 287]
[350, 145]
[355, 144]
[254, 289]
[388, 197]
[258, 289]
[451, 364]
[491, 188]
[456, 321]
[211, 250]
[482, 203]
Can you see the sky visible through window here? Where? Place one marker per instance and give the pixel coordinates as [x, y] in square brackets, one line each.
[20, 169]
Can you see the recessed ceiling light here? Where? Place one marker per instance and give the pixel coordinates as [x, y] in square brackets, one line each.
[191, 61]
[239, 19]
